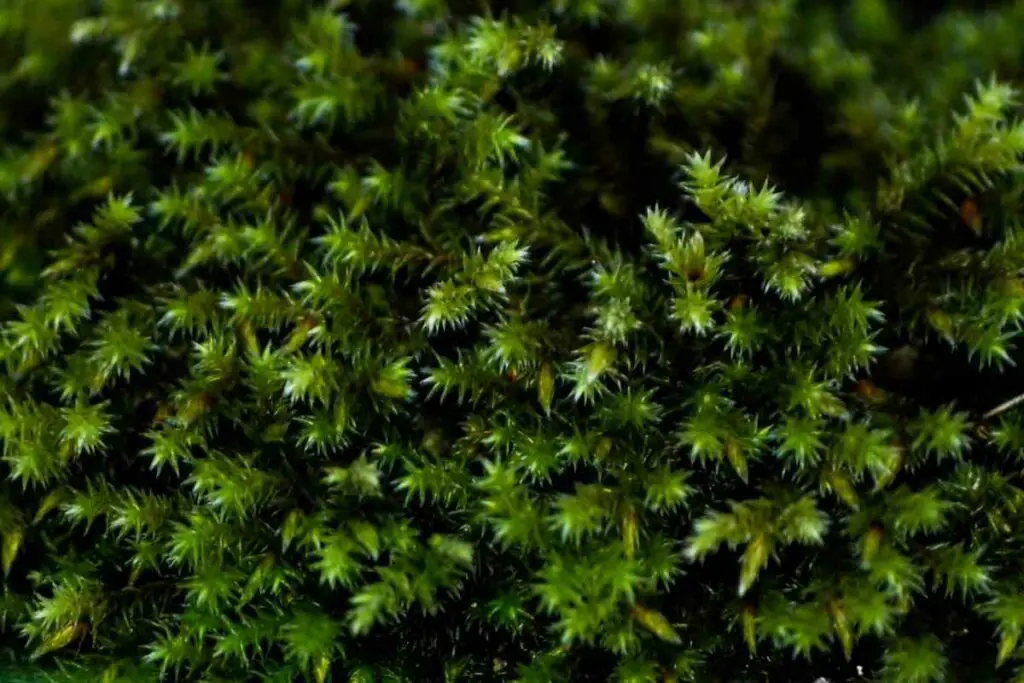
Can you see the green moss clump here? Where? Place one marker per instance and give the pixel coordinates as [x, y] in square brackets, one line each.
[590, 340]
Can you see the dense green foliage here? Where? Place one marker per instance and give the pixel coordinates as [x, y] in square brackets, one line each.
[632, 340]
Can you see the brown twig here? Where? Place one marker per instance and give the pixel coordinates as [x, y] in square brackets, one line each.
[1003, 407]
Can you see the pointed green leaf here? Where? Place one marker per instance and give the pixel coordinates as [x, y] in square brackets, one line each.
[11, 546]
[656, 623]
[1007, 645]
[749, 621]
[60, 638]
[754, 559]
[546, 387]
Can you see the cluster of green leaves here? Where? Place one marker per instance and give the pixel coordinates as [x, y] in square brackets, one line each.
[643, 340]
